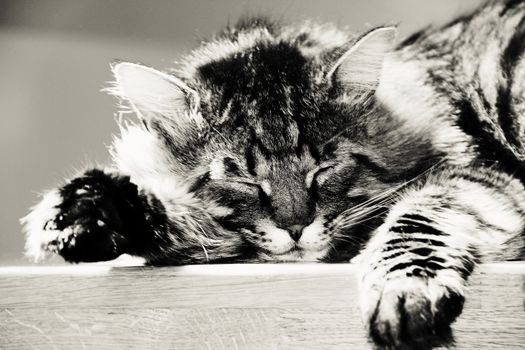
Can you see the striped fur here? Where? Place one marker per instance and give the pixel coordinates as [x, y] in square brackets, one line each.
[306, 143]
[462, 85]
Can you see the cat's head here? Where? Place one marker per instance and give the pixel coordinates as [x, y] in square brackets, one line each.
[281, 130]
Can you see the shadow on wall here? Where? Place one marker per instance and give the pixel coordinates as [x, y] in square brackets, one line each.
[55, 59]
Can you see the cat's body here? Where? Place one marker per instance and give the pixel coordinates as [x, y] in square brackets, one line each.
[306, 144]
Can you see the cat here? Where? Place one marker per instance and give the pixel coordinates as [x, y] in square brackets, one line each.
[275, 143]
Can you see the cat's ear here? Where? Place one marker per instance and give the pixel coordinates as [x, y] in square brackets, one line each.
[156, 96]
[360, 67]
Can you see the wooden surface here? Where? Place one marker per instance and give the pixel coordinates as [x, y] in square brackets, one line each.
[226, 307]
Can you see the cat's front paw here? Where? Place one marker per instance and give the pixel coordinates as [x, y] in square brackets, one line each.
[79, 221]
[411, 312]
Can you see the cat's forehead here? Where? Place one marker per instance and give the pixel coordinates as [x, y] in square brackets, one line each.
[265, 92]
[270, 78]
[279, 168]
[261, 65]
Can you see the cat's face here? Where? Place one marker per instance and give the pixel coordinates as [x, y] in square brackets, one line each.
[289, 146]
[297, 206]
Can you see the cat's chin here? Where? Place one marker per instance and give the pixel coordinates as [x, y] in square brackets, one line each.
[295, 255]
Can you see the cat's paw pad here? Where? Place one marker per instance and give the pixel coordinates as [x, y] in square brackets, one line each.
[407, 313]
[79, 222]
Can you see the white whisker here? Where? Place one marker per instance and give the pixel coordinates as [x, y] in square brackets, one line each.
[359, 213]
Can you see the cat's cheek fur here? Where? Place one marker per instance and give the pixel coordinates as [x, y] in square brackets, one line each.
[38, 232]
[313, 237]
[141, 155]
[274, 239]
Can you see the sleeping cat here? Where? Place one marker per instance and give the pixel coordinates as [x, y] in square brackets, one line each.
[276, 143]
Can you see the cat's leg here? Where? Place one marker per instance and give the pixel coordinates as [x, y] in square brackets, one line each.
[416, 264]
[100, 215]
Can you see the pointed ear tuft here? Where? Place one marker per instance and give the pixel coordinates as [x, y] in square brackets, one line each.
[360, 67]
[153, 94]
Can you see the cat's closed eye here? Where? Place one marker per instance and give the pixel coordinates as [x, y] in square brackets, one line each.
[317, 176]
[235, 191]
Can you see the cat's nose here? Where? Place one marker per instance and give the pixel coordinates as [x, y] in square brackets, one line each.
[295, 231]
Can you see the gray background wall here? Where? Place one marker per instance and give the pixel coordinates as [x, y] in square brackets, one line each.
[54, 57]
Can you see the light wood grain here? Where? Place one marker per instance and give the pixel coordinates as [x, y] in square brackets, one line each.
[226, 307]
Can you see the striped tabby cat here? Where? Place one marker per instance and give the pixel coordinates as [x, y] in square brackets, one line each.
[304, 143]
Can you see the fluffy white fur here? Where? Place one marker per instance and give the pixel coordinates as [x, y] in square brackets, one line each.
[36, 237]
[141, 155]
